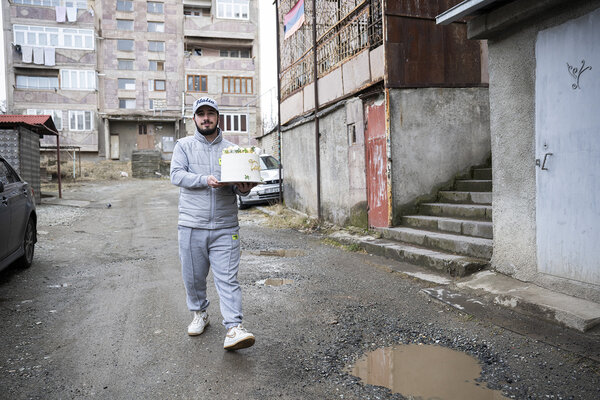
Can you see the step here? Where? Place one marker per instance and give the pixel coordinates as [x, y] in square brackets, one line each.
[451, 264]
[447, 242]
[460, 226]
[465, 197]
[472, 211]
[482, 173]
[473, 185]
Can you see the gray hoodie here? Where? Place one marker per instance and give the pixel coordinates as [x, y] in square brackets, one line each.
[201, 206]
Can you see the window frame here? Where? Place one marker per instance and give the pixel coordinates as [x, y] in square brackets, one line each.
[120, 20]
[154, 50]
[121, 3]
[85, 76]
[226, 9]
[197, 79]
[58, 37]
[156, 24]
[119, 41]
[232, 88]
[154, 3]
[81, 113]
[157, 63]
[128, 60]
[126, 82]
[236, 122]
[54, 80]
[127, 101]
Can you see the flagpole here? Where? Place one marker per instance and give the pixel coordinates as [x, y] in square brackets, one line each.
[316, 86]
[279, 100]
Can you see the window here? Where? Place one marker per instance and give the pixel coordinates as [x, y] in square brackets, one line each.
[158, 85]
[234, 9]
[125, 25]
[244, 53]
[154, 65]
[125, 64]
[37, 82]
[66, 38]
[54, 3]
[7, 176]
[197, 12]
[125, 44]
[124, 5]
[56, 115]
[127, 103]
[156, 46]
[80, 120]
[77, 79]
[155, 7]
[238, 85]
[126, 84]
[233, 122]
[197, 83]
[156, 26]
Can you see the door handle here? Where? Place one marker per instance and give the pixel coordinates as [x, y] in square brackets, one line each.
[543, 164]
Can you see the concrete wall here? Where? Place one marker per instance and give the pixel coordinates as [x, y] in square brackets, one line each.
[436, 133]
[512, 101]
[299, 163]
[343, 183]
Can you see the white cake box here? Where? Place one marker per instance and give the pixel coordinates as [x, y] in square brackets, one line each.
[240, 167]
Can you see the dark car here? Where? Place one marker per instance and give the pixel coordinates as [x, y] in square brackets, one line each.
[268, 191]
[17, 218]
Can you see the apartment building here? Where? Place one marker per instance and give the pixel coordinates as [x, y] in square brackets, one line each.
[51, 63]
[121, 75]
[221, 61]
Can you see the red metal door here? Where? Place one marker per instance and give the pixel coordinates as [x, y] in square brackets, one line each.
[376, 164]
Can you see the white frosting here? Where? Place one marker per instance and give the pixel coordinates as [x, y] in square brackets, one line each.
[240, 167]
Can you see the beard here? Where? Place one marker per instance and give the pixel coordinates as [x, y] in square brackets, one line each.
[206, 132]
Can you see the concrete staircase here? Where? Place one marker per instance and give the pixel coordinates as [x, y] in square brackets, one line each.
[452, 235]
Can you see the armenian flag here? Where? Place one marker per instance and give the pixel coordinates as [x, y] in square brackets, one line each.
[293, 20]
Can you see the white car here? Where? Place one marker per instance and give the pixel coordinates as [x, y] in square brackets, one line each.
[268, 191]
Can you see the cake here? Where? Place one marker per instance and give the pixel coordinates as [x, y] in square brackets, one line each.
[240, 164]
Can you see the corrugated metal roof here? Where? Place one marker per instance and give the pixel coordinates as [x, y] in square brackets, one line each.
[41, 124]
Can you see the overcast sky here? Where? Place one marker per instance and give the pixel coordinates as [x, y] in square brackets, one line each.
[268, 56]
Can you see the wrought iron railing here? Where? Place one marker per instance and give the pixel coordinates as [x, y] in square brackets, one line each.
[338, 40]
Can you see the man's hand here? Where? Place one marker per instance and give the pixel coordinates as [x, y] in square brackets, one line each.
[213, 182]
[245, 187]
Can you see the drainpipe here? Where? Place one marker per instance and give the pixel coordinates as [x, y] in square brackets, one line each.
[278, 101]
[58, 166]
[315, 72]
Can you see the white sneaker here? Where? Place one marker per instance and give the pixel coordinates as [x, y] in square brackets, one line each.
[198, 324]
[238, 338]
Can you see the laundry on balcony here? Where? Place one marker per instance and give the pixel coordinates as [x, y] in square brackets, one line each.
[27, 54]
[38, 55]
[61, 13]
[72, 14]
[49, 56]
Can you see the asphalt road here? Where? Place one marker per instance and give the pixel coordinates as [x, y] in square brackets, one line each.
[102, 314]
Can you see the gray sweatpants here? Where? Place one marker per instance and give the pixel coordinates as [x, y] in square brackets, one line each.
[219, 249]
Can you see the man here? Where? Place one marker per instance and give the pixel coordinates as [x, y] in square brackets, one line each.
[208, 225]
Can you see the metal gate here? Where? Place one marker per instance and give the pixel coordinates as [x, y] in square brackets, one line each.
[376, 163]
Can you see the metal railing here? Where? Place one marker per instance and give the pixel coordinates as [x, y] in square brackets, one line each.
[358, 29]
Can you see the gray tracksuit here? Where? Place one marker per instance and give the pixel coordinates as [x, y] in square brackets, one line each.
[208, 226]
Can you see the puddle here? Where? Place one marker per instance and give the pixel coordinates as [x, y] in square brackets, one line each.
[424, 372]
[279, 253]
[275, 282]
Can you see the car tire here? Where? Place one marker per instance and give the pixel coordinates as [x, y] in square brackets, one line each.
[28, 245]
[240, 204]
